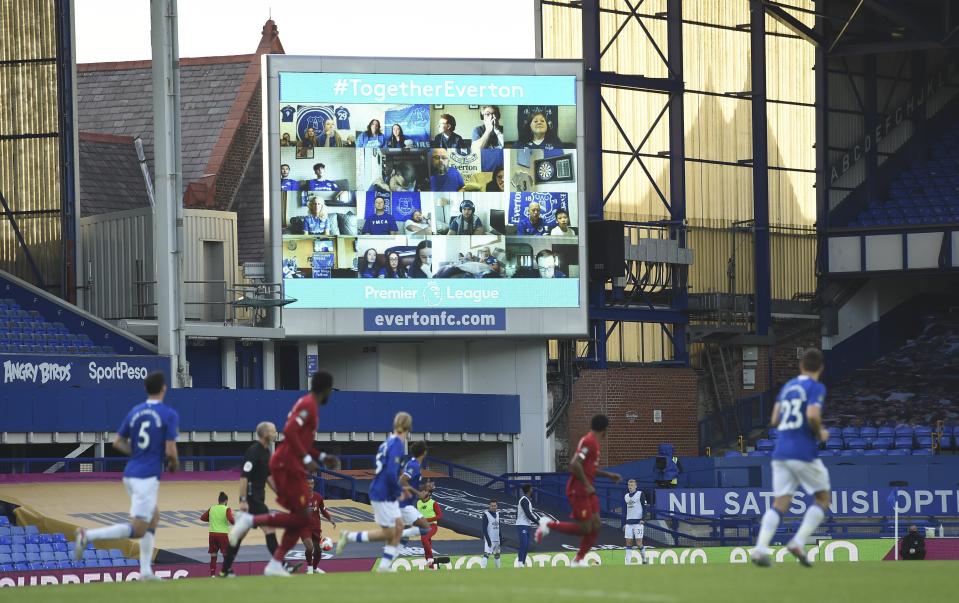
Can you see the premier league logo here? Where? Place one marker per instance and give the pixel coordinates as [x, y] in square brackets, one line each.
[432, 295]
[312, 117]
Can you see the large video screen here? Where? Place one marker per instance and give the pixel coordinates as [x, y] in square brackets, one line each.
[443, 191]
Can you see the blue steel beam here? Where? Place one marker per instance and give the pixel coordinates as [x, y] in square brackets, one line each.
[762, 264]
[677, 171]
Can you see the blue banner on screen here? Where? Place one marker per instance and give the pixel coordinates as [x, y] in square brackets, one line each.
[753, 502]
[82, 371]
[422, 88]
[434, 320]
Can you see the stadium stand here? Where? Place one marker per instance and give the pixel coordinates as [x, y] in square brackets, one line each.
[25, 547]
[926, 193]
[29, 332]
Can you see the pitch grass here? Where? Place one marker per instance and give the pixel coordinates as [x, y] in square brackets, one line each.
[873, 582]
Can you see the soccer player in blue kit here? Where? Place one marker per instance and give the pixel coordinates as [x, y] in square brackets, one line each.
[385, 494]
[797, 415]
[148, 435]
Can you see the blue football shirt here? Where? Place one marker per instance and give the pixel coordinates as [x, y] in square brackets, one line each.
[149, 426]
[414, 473]
[796, 439]
[389, 459]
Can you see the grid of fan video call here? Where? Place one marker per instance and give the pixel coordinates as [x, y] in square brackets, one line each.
[375, 191]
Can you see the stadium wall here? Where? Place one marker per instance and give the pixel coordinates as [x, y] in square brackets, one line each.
[629, 397]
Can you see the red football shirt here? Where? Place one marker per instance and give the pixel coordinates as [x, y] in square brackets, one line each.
[300, 431]
[317, 509]
[588, 452]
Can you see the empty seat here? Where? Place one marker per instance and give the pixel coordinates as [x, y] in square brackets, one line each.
[874, 452]
[924, 442]
[922, 452]
[856, 444]
[6, 567]
[756, 453]
[922, 431]
[882, 443]
[903, 443]
[899, 452]
[766, 445]
[46, 556]
[31, 530]
[64, 565]
[850, 432]
[733, 453]
[886, 432]
[946, 442]
[903, 431]
[848, 453]
[5, 558]
[4, 520]
[834, 444]
[132, 562]
[115, 553]
[119, 562]
[32, 548]
[868, 433]
[61, 556]
[827, 453]
[103, 554]
[46, 548]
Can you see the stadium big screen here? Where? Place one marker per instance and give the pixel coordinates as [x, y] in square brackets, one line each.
[431, 196]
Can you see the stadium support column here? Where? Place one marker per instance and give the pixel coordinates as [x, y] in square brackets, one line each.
[168, 213]
[677, 165]
[593, 144]
[763, 306]
[822, 146]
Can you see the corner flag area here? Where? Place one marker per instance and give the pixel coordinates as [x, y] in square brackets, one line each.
[875, 582]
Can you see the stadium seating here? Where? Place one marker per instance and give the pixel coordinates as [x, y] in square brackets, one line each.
[25, 548]
[925, 193]
[28, 332]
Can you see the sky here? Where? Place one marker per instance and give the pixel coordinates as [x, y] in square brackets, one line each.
[119, 30]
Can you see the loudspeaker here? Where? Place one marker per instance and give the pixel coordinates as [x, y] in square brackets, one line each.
[607, 249]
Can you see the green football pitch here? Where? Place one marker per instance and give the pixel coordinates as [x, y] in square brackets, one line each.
[842, 582]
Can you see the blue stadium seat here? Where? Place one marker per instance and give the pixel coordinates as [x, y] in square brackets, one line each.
[856, 444]
[31, 557]
[924, 442]
[882, 443]
[946, 442]
[903, 443]
[60, 546]
[900, 452]
[64, 565]
[834, 444]
[32, 530]
[46, 556]
[21, 567]
[6, 567]
[58, 537]
[46, 548]
[756, 453]
[827, 453]
[4, 520]
[874, 452]
[766, 445]
[35, 566]
[868, 433]
[89, 555]
[61, 556]
[734, 453]
[5, 558]
[848, 453]
[886, 432]
[922, 452]
[903, 431]
[50, 565]
[5, 549]
[923, 431]
[6, 539]
[850, 432]
[18, 547]
[132, 563]
[115, 553]
[33, 548]
[119, 563]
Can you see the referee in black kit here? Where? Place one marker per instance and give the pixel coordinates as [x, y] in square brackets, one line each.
[253, 481]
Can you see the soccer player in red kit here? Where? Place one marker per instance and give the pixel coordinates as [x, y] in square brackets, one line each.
[293, 460]
[583, 468]
[313, 534]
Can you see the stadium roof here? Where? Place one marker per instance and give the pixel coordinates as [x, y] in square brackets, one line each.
[220, 133]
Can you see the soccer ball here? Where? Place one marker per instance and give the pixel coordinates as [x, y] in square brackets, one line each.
[326, 545]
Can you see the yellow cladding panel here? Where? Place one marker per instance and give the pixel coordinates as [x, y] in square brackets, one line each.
[30, 167]
[716, 60]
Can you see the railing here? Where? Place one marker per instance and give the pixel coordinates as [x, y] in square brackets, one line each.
[749, 413]
[241, 302]
[110, 464]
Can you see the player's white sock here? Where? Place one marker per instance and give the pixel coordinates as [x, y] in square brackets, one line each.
[413, 532]
[810, 521]
[642, 555]
[389, 554]
[767, 528]
[484, 561]
[629, 554]
[358, 536]
[146, 553]
[497, 562]
[117, 530]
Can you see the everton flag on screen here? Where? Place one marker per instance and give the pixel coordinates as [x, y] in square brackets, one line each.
[322, 265]
[414, 119]
[313, 117]
[400, 204]
[548, 202]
